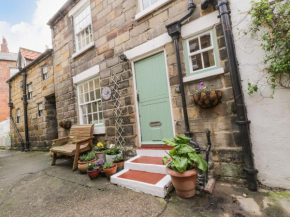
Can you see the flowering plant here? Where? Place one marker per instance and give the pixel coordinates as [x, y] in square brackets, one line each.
[99, 163]
[65, 118]
[202, 88]
[101, 146]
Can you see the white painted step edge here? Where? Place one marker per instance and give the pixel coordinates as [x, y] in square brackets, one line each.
[152, 152]
[152, 168]
[159, 189]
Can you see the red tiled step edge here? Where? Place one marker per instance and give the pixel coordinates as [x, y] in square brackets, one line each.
[156, 147]
[140, 176]
[148, 160]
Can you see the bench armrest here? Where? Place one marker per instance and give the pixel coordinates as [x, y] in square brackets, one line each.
[58, 141]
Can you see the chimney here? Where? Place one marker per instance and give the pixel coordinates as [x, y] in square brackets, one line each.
[4, 46]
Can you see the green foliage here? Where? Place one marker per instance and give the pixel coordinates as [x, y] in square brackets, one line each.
[101, 146]
[87, 157]
[92, 167]
[183, 157]
[108, 165]
[118, 159]
[82, 158]
[112, 151]
[271, 23]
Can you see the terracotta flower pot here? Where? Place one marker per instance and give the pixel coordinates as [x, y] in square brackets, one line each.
[208, 99]
[120, 166]
[83, 166]
[100, 155]
[111, 171]
[93, 174]
[184, 183]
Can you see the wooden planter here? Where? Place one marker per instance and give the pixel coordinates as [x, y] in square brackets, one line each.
[208, 99]
[65, 124]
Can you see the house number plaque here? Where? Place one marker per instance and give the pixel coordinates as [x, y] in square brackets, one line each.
[155, 124]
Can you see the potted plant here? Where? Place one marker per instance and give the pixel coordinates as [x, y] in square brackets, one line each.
[84, 160]
[93, 171]
[183, 166]
[111, 153]
[205, 97]
[119, 161]
[65, 123]
[109, 169]
[99, 150]
[100, 163]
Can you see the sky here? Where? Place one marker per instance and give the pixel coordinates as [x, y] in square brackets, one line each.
[24, 23]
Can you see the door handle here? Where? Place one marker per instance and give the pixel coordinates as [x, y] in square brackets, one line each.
[138, 96]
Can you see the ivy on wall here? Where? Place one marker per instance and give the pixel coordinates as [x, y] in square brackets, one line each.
[271, 25]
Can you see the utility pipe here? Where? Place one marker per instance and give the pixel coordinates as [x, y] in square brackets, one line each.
[243, 121]
[25, 103]
[174, 30]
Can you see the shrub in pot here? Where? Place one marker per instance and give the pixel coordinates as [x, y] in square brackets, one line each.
[84, 160]
[109, 169]
[111, 153]
[99, 150]
[100, 163]
[183, 165]
[119, 161]
[93, 171]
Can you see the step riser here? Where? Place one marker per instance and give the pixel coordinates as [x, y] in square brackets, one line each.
[152, 153]
[152, 168]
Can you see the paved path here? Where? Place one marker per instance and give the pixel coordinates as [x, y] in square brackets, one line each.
[29, 186]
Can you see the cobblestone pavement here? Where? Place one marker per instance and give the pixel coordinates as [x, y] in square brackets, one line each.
[29, 186]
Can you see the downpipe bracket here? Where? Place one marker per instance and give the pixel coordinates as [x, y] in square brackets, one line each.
[250, 171]
[243, 122]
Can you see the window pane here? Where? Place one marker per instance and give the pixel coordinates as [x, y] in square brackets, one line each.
[92, 95]
[205, 41]
[84, 110]
[81, 90]
[90, 119]
[96, 119]
[97, 83]
[208, 58]
[100, 106]
[86, 87]
[94, 106]
[86, 97]
[98, 93]
[101, 120]
[196, 62]
[193, 45]
[89, 106]
[146, 4]
[91, 83]
[85, 119]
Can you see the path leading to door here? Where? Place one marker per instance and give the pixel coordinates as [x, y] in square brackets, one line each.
[29, 186]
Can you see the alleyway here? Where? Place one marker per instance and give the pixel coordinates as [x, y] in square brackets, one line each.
[29, 186]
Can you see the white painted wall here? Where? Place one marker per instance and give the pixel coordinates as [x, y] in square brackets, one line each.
[4, 129]
[270, 127]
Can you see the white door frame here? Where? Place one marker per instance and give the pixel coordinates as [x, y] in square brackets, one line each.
[135, 89]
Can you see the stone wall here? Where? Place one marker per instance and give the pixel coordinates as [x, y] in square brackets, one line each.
[115, 31]
[41, 129]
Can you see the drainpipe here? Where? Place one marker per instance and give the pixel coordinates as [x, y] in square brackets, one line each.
[243, 121]
[174, 30]
[25, 103]
[10, 104]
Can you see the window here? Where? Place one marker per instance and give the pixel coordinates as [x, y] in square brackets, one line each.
[29, 89]
[201, 53]
[40, 110]
[18, 116]
[90, 102]
[146, 3]
[83, 27]
[44, 72]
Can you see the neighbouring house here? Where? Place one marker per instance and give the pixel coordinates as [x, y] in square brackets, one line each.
[41, 106]
[7, 68]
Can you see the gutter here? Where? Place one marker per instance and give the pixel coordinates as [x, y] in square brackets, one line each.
[60, 12]
[174, 30]
[243, 121]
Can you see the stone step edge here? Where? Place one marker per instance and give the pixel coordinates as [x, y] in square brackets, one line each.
[159, 189]
[152, 168]
[152, 152]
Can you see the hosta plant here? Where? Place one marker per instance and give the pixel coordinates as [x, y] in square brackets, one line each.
[183, 157]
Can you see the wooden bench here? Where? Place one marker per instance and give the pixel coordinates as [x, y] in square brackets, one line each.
[80, 140]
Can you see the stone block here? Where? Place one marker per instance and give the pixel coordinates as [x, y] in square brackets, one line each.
[112, 62]
[122, 38]
[109, 53]
[111, 35]
[105, 74]
[103, 48]
[223, 54]
[228, 154]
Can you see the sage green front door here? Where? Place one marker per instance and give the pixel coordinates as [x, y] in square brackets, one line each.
[153, 99]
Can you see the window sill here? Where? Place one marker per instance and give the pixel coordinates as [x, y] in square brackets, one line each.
[203, 75]
[99, 130]
[79, 52]
[150, 9]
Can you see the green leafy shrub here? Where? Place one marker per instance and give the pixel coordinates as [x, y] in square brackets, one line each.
[112, 151]
[183, 157]
[87, 157]
[108, 165]
[118, 159]
[92, 167]
[101, 146]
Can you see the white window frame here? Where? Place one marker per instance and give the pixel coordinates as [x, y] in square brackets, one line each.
[74, 12]
[29, 91]
[40, 110]
[44, 72]
[99, 127]
[18, 116]
[144, 12]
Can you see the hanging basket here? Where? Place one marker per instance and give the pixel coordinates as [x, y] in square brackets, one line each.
[65, 124]
[208, 99]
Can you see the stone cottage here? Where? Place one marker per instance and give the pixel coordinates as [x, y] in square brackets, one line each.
[39, 94]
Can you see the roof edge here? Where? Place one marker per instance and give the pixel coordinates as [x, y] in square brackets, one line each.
[34, 62]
